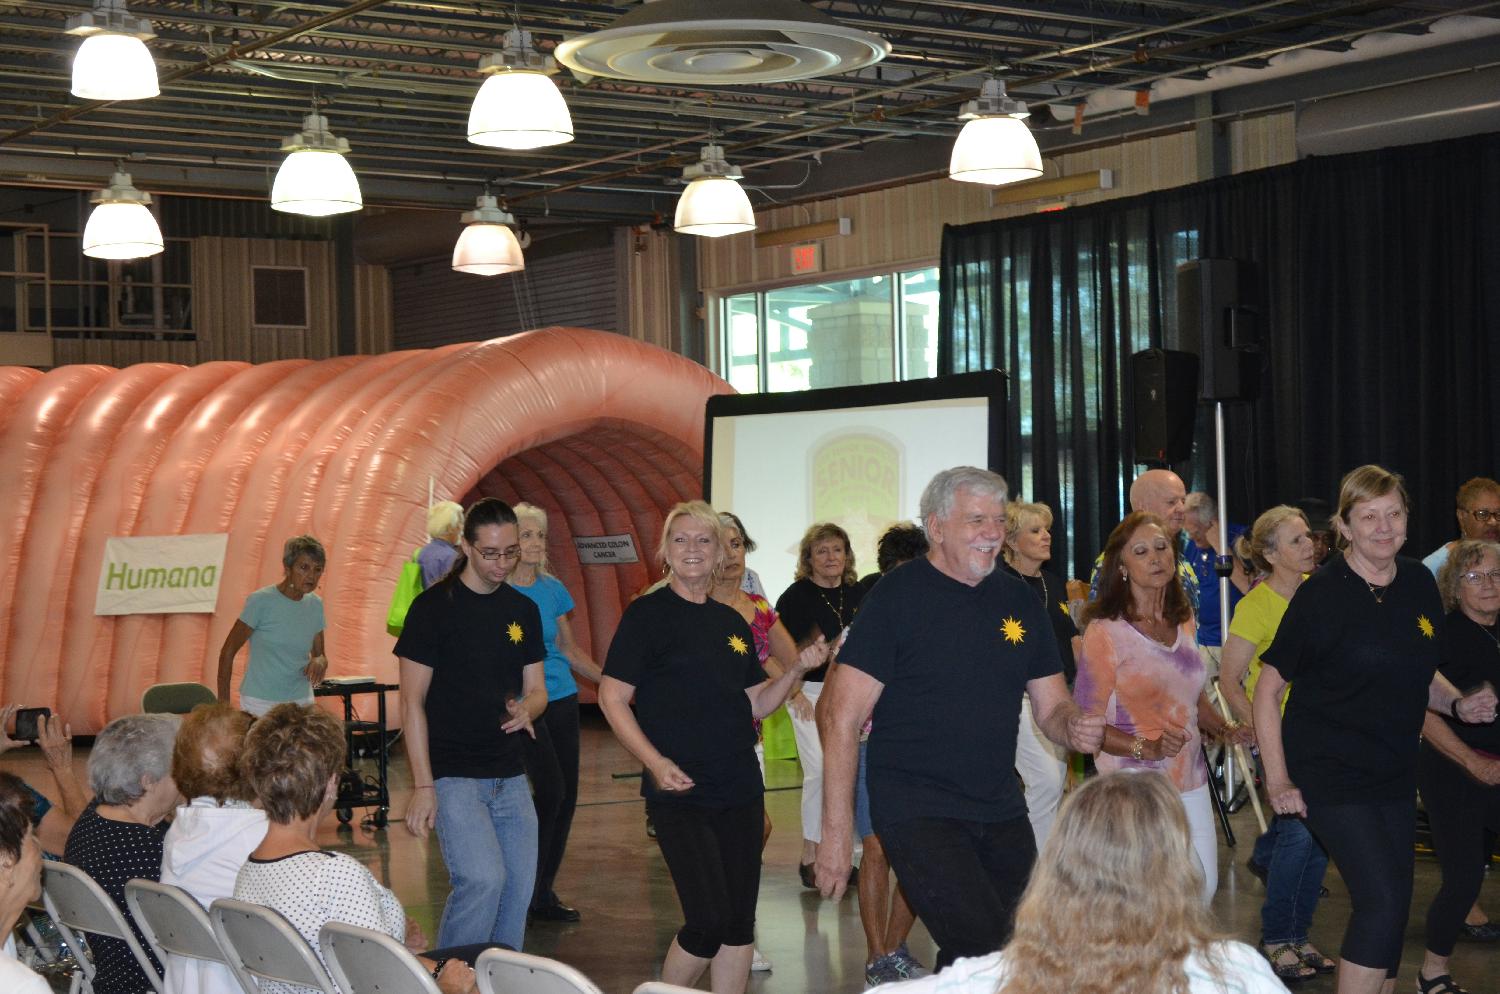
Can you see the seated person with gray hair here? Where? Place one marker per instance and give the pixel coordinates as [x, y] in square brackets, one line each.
[119, 836]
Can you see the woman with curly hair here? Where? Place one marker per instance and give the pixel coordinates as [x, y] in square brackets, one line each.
[820, 603]
[1112, 908]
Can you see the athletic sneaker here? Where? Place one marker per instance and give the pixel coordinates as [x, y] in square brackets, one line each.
[882, 970]
[907, 965]
[758, 961]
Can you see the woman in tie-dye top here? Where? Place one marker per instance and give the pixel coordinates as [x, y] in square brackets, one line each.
[1141, 669]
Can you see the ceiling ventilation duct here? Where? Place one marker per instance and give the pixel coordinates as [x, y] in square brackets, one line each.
[722, 43]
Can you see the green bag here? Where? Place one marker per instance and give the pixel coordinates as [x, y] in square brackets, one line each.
[407, 589]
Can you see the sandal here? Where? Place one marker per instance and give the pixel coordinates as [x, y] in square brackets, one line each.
[1315, 959]
[1438, 985]
[1288, 966]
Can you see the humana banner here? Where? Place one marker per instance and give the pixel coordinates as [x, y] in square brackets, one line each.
[161, 574]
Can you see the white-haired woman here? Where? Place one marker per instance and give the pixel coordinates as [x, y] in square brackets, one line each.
[445, 526]
[284, 626]
[552, 757]
[119, 836]
[689, 663]
[1112, 906]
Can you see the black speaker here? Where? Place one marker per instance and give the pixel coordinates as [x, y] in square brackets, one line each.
[1164, 385]
[1217, 311]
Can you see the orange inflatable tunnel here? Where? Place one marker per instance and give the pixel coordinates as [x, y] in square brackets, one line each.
[601, 431]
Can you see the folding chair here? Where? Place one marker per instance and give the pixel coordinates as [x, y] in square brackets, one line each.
[263, 944]
[364, 961]
[77, 904]
[501, 971]
[177, 927]
[175, 698]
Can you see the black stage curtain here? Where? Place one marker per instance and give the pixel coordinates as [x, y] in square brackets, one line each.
[1379, 279]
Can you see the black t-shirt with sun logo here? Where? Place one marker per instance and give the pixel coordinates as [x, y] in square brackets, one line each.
[690, 665]
[954, 661]
[1359, 662]
[476, 646]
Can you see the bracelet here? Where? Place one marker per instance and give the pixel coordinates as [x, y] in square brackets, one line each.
[1136, 745]
[437, 967]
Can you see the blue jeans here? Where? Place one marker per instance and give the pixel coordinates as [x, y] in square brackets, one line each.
[1294, 864]
[487, 829]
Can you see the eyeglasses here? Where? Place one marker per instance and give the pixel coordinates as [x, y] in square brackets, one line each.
[509, 555]
[1474, 578]
[1483, 515]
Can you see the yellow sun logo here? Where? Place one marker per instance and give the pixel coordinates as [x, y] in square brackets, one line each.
[738, 644]
[1065, 609]
[1425, 625]
[1013, 632]
[513, 630]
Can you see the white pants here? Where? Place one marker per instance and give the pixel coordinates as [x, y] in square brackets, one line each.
[1200, 816]
[810, 755]
[1043, 766]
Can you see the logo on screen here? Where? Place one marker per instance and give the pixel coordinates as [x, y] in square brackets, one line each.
[856, 483]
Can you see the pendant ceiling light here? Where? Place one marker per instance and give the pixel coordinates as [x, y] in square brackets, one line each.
[315, 179]
[518, 106]
[113, 62]
[714, 204]
[121, 226]
[995, 146]
[488, 245]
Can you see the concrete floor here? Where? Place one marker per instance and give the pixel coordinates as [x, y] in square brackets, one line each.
[615, 876]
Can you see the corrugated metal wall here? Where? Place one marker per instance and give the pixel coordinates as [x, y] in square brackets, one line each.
[433, 305]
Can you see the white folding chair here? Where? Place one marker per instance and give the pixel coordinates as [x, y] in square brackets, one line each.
[177, 926]
[262, 943]
[501, 971]
[364, 961]
[662, 987]
[77, 904]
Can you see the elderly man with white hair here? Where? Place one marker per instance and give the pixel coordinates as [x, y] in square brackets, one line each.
[942, 652]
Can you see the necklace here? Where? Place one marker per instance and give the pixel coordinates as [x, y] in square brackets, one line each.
[1486, 630]
[1377, 592]
[837, 611]
[1140, 626]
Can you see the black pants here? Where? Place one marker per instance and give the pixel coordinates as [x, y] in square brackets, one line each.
[1371, 844]
[552, 765]
[1463, 813]
[714, 857]
[962, 878]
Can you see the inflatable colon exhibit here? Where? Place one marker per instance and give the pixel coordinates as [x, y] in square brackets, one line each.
[602, 432]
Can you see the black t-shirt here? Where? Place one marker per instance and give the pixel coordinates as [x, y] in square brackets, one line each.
[476, 646]
[806, 609]
[690, 665]
[954, 661]
[1053, 593]
[1470, 656]
[1359, 670]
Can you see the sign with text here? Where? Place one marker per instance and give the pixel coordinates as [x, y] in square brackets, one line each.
[606, 550]
[161, 574]
[807, 259]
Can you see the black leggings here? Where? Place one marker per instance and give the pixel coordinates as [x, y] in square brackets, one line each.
[714, 856]
[1371, 844]
[1463, 813]
[552, 765]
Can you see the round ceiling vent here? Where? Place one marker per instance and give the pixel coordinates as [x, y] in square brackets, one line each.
[722, 43]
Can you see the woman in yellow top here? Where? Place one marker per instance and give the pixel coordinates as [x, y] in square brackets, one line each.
[1287, 858]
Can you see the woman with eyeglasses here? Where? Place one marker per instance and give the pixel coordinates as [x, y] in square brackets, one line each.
[472, 683]
[1458, 773]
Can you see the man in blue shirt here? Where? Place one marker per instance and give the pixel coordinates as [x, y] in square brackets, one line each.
[1201, 521]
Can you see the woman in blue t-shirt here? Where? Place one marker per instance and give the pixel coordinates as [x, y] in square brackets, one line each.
[552, 757]
[284, 625]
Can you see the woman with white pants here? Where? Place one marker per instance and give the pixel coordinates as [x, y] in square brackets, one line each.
[820, 602]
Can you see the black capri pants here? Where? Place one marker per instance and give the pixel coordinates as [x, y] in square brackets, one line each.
[1463, 813]
[1371, 844]
[713, 854]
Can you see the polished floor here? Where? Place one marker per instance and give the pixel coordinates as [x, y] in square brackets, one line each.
[615, 876]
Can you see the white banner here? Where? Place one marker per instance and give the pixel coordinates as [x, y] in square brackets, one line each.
[161, 574]
[606, 550]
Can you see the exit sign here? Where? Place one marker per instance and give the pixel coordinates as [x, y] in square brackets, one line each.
[807, 259]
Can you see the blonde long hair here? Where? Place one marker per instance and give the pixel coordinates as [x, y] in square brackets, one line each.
[1113, 906]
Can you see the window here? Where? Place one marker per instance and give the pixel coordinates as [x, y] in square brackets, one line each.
[280, 296]
[78, 297]
[875, 329]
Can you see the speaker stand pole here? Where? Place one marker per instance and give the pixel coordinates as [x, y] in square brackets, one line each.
[1223, 574]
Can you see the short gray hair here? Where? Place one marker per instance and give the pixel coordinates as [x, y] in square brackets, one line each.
[128, 749]
[303, 545]
[940, 493]
[1201, 507]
